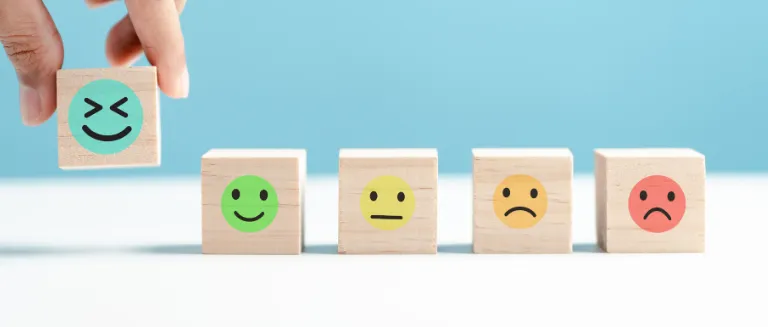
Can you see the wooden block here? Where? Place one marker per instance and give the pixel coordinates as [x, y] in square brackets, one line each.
[108, 118]
[522, 200]
[650, 200]
[388, 201]
[253, 201]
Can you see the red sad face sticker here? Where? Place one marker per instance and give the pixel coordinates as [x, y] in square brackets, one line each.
[657, 203]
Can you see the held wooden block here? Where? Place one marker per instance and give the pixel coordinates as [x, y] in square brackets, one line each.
[108, 118]
[253, 201]
[650, 200]
[388, 201]
[522, 200]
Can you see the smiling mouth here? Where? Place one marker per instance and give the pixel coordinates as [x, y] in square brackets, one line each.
[513, 209]
[106, 138]
[249, 219]
[386, 217]
[657, 209]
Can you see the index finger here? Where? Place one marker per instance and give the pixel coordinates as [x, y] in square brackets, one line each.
[158, 27]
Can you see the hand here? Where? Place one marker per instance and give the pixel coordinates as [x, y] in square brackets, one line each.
[34, 46]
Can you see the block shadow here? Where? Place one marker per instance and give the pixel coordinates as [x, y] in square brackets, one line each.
[13, 250]
[171, 249]
[455, 248]
[467, 248]
[586, 248]
[321, 249]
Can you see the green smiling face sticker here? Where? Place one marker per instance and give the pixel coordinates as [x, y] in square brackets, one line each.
[105, 116]
[249, 204]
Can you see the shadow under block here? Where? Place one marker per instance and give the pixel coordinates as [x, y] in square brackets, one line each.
[388, 201]
[253, 201]
[650, 200]
[108, 118]
[510, 186]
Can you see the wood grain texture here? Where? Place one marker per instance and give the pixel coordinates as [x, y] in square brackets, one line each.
[618, 170]
[285, 170]
[554, 169]
[418, 167]
[144, 152]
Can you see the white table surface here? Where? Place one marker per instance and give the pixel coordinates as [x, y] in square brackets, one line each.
[127, 253]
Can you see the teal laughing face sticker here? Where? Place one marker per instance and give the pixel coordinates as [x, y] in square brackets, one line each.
[249, 204]
[105, 116]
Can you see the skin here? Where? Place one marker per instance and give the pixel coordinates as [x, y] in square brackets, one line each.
[33, 45]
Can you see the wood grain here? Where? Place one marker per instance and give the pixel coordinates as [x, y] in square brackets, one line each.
[418, 167]
[554, 169]
[618, 170]
[144, 152]
[285, 170]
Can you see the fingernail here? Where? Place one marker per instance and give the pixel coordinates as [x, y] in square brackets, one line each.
[31, 107]
[184, 83]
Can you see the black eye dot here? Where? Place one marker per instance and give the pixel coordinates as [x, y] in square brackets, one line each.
[505, 192]
[235, 194]
[671, 196]
[374, 195]
[643, 195]
[401, 196]
[263, 195]
[534, 193]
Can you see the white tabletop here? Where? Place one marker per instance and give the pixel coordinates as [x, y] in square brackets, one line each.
[127, 253]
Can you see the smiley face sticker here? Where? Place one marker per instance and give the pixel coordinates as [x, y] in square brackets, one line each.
[657, 204]
[520, 201]
[387, 202]
[105, 116]
[249, 204]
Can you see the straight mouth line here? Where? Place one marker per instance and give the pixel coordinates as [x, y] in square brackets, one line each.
[513, 209]
[386, 217]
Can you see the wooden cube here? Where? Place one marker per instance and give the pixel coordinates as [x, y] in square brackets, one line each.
[108, 118]
[253, 201]
[522, 200]
[650, 200]
[388, 201]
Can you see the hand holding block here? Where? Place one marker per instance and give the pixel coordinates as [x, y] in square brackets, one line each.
[522, 200]
[108, 118]
[388, 201]
[650, 200]
[253, 201]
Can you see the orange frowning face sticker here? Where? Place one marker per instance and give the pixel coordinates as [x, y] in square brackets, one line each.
[657, 204]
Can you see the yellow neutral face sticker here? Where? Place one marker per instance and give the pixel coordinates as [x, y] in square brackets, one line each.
[387, 202]
[520, 201]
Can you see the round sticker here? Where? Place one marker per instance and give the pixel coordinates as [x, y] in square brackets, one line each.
[657, 203]
[249, 204]
[520, 201]
[105, 116]
[387, 202]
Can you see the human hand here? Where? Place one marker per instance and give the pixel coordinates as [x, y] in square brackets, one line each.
[34, 46]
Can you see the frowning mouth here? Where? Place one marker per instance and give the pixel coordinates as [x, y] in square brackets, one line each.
[657, 209]
[386, 217]
[526, 209]
[249, 219]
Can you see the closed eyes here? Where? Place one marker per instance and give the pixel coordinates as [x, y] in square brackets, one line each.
[114, 107]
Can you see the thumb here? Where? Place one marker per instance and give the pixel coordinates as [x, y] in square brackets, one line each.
[33, 45]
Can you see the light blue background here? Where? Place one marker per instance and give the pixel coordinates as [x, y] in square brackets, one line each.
[449, 74]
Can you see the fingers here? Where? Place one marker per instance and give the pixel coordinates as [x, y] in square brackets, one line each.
[98, 3]
[34, 47]
[157, 27]
[123, 45]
